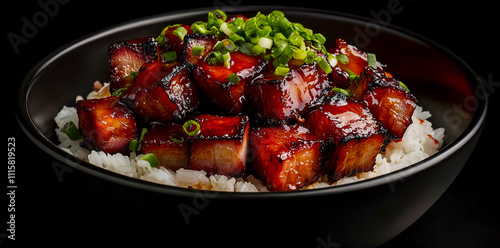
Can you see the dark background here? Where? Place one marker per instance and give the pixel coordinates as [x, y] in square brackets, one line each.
[465, 216]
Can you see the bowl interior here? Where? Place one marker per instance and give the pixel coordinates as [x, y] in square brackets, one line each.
[442, 83]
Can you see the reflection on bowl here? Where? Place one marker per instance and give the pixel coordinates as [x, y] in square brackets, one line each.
[362, 214]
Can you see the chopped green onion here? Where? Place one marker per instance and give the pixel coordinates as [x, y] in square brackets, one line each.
[343, 91]
[258, 50]
[199, 27]
[265, 43]
[332, 60]
[225, 45]
[352, 75]
[71, 131]
[323, 64]
[169, 57]
[177, 141]
[188, 124]
[134, 145]
[342, 58]
[281, 71]
[300, 54]
[197, 50]
[404, 86]
[233, 79]
[310, 57]
[180, 32]
[151, 158]
[119, 92]
[320, 38]
[372, 60]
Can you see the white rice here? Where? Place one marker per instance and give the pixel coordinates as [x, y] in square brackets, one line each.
[419, 142]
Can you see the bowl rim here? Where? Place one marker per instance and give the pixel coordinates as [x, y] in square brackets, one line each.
[34, 134]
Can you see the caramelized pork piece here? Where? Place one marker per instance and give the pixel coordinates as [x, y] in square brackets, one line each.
[162, 92]
[106, 124]
[277, 99]
[286, 157]
[221, 145]
[128, 56]
[387, 99]
[169, 144]
[226, 85]
[197, 40]
[357, 136]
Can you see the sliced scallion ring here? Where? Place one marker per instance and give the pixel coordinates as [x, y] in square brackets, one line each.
[188, 124]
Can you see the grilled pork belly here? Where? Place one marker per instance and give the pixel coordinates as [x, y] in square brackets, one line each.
[162, 92]
[216, 82]
[386, 98]
[221, 145]
[106, 124]
[277, 99]
[356, 135]
[128, 56]
[169, 144]
[285, 157]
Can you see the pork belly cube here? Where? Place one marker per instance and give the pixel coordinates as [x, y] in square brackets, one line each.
[221, 145]
[286, 157]
[386, 98]
[106, 124]
[200, 40]
[277, 99]
[356, 135]
[162, 92]
[216, 83]
[169, 143]
[128, 56]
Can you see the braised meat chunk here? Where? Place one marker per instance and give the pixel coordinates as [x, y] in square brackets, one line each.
[225, 85]
[106, 124]
[280, 99]
[356, 135]
[162, 92]
[220, 146]
[387, 99]
[285, 157]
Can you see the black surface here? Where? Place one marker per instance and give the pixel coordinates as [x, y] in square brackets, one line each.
[465, 216]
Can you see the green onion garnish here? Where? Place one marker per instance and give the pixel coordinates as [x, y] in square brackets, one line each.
[177, 141]
[71, 131]
[180, 32]
[188, 124]
[197, 50]
[404, 86]
[281, 71]
[151, 158]
[169, 57]
[372, 60]
[324, 64]
[233, 79]
[134, 145]
[343, 91]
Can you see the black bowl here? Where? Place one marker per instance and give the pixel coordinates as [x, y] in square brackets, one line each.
[362, 214]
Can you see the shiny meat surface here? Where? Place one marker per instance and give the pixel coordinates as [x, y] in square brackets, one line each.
[285, 157]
